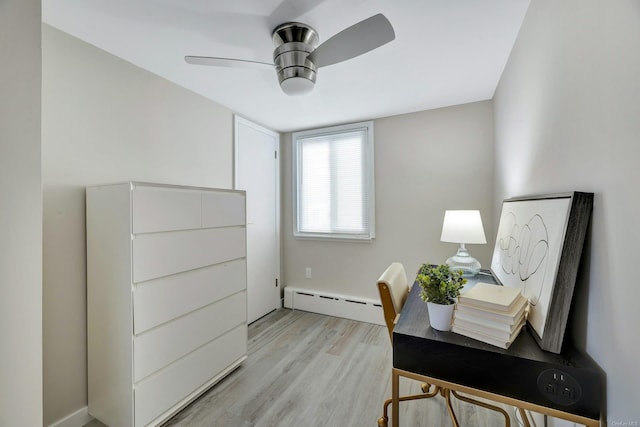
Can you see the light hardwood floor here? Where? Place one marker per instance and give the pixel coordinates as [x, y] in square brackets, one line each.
[310, 370]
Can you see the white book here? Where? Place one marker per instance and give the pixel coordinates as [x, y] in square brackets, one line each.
[509, 317]
[470, 318]
[491, 296]
[484, 338]
[490, 332]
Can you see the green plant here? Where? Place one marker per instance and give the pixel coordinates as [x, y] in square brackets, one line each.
[439, 284]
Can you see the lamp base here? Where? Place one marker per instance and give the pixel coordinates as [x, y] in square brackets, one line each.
[465, 262]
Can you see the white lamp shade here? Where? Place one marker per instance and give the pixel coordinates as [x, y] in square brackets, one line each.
[462, 227]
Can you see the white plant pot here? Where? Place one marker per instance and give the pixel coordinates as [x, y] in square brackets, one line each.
[440, 316]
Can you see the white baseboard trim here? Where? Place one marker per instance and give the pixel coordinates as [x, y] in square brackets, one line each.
[338, 305]
[77, 419]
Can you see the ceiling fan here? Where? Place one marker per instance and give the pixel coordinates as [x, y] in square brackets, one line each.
[297, 55]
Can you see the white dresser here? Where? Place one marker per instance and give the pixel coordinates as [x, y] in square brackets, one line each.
[166, 297]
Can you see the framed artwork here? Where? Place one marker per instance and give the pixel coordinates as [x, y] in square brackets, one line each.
[538, 249]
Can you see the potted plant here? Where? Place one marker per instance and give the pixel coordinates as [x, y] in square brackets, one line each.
[440, 288]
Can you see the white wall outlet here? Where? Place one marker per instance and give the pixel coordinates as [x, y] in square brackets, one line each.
[307, 273]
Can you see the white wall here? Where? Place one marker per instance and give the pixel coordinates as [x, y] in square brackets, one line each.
[105, 120]
[20, 215]
[567, 117]
[425, 163]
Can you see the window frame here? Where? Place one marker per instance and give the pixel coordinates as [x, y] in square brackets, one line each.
[368, 176]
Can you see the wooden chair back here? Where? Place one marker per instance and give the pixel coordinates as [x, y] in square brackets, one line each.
[393, 288]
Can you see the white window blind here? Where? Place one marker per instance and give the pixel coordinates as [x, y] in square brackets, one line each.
[334, 182]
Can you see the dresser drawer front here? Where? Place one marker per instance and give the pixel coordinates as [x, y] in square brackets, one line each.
[161, 300]
[163, 209]
[158, 347]
[159, 255]
[166, 388]
[222, 209]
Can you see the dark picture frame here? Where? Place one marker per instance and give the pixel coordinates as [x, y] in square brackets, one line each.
[538, 248]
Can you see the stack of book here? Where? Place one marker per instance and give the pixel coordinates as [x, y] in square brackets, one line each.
[491, 313]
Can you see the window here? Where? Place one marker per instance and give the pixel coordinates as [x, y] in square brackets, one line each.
[333, 182]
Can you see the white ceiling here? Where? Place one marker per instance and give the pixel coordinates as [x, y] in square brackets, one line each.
[446, 52]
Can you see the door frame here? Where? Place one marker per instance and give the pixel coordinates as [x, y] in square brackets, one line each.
[241, 121]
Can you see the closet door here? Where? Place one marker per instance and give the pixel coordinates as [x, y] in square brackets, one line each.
[257, 172]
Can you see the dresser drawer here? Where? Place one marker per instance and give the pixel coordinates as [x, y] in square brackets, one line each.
[163, 390]
[165, 209]
[160, 300]
[222, 209]
[158, 255]
[160, 346]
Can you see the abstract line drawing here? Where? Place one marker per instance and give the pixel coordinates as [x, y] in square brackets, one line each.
[527, 251]
[537, 249]
[524, 252]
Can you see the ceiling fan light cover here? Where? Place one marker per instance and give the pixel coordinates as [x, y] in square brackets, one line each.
[297, 85]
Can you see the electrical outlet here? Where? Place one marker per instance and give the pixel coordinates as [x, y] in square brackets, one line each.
[559, 387]
[307, 273]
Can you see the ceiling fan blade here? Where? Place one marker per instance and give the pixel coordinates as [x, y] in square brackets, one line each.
[354, 41]
[228, 62]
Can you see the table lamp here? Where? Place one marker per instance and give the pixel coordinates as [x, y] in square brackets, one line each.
[464, 227]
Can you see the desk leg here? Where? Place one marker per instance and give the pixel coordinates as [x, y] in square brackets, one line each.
[395, 394]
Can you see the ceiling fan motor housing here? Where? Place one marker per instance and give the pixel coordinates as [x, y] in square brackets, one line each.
[294, 42]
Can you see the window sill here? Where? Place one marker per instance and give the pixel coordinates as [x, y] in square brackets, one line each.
[333, 238]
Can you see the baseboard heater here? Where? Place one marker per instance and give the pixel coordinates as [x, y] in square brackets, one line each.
[348, 307]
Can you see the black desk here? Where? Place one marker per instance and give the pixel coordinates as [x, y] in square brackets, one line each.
[519, 376]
